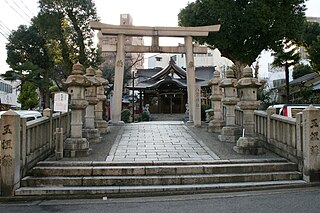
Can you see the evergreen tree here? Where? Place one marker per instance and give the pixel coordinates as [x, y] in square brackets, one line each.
[28, 97]
[247, 26]
[76, 14]
[29, 59]
[312, 43]
[300, 70]
[286, 56]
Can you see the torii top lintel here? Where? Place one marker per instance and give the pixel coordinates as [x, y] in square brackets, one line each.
[109, 29]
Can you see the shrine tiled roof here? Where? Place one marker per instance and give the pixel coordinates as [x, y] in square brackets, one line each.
[153, 78]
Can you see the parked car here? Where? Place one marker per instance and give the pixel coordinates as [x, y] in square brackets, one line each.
[28, 114]
[290, 110]
[278, 107]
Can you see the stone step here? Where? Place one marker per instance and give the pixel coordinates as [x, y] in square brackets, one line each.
[83, 178]
[162, 169]
[156, 163]
[158, 180]
[60, 192]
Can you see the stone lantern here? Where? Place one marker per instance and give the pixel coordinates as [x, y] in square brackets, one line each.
[216, 124]
[90, 132]
[230, 132]
[248, 89]
[76, 145]
[101, 124]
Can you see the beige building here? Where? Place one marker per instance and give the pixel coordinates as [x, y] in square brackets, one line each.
[108, 43]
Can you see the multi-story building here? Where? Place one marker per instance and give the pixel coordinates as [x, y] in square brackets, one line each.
[212, 58]
[107, 43]
[9, 94]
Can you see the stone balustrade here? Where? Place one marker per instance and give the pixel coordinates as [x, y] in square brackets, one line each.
[296, 139]
[36, 142]
[280, 134]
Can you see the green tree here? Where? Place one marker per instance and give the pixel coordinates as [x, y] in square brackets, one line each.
[57, 33]
[311, 41]
[300, 70]
[265, 96]
[77, 14]
[286, 56]
[29, 59]
[247, 26]
[28, 97]
[59, 36]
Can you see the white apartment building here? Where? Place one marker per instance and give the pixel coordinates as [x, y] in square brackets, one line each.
[9, 94]
[212, 58]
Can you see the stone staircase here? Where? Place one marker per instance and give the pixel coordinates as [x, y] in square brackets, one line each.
[100, 179]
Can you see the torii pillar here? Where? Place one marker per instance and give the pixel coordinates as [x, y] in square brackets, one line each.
[121, 31]
[118, 81]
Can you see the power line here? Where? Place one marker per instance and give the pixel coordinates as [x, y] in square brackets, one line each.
[16, 11]
[1, 22]
[3, 31]
[21, 9]
[26, 7]
[4, 35]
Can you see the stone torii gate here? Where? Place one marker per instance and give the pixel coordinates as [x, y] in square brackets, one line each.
[121, 31]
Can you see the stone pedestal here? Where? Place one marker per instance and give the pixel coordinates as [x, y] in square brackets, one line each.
[311, 147]
[216, 124]
[77, 145]
[230, 132]
[90, 132]
[10, 148]
[100, 124]
[248, 89]
[248, 146]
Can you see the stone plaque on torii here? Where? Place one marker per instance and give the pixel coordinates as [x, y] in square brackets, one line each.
[121, 31]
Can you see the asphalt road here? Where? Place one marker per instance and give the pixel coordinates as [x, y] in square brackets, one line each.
[286, 200]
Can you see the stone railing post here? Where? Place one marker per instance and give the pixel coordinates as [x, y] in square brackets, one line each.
[10, 174]
[101, 124]
[248, 90]
[76, 145]
[270, 111]
[230, 132]
[90, 132]
[311, 144]
[299, 135]
[48, 113]
[216, 124]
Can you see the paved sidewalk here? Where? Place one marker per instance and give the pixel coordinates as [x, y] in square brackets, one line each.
[162, 140]
[159, 141]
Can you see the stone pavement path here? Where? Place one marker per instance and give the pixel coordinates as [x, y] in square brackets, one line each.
[159, 141]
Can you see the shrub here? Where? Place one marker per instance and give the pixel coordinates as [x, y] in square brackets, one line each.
[125, 115]
[145, 116]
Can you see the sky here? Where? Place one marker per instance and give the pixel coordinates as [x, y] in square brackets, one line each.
[144, 13]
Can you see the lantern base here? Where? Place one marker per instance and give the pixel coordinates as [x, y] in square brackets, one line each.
[76, 147]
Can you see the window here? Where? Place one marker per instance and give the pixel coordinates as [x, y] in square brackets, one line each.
[158, 58]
